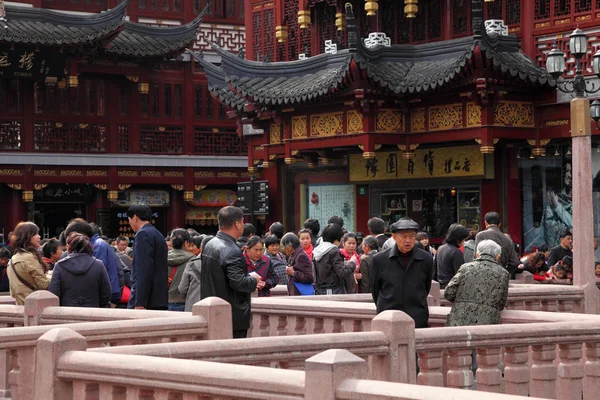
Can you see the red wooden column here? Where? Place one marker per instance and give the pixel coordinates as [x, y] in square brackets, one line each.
[134, 127]
[272, 175]
[16, 211]
[176, 213]
[447, 20]
[527, 16]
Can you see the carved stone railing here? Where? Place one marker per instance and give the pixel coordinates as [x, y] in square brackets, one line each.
[70, 372]
[210, 319]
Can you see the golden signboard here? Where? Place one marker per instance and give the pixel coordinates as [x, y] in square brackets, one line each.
[448, 162]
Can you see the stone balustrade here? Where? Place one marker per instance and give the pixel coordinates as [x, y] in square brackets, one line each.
[210, 319]
[64, 370]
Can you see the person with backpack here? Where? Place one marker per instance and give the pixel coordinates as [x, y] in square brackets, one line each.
[189, 286]
[330, 270]
[177, 259]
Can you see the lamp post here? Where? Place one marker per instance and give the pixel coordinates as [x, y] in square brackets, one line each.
[581, 137]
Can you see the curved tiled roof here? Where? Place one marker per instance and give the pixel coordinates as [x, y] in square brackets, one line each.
[46, 27]
[147, 41]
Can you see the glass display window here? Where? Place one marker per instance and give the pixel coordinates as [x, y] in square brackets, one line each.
[393, 207]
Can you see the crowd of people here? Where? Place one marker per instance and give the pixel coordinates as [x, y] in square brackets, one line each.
[85, 269]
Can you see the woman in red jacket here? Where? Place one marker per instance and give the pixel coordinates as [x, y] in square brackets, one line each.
[261, 264]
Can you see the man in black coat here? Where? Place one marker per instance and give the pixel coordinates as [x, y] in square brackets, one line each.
[509, 258]
[401, 276]
[149, 277]
[224, 271]
[377, 228]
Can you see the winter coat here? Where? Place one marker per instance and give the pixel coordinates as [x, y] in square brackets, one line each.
[366, 265]
[265, 269]
[149, 270]
[29, 268]
[177, 259]
[509, 258]
[303, 270]
[330, 270]
[104, 253]
[80, 280]
[469, 254]
[225, 274]
[189, 286]
[479, 292]
[448, 260]
[402, 282]
[279, 264]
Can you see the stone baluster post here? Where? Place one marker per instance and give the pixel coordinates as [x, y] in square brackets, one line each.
[35, 304]
[430, 369]
[399, 365]
[217, 313]
[569, 384]
[591, 380]
[459, 369]
[543, 372]
[489, 377]
[50, 347]
[516, 371]
[326, 370]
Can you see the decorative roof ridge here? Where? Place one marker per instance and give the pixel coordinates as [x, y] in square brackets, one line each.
[236, 66]
[171, 31]
[61, 18]
[210, 69]
[417, 52]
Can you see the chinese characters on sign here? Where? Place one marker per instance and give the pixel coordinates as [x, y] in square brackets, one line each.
[27, 62]
[463, 161]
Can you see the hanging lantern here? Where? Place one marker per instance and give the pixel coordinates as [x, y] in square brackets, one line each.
[143, 88]
[371, 7]
[411, 8]
[488, 1]
[339, 21]
[281, 33]
[304, 19]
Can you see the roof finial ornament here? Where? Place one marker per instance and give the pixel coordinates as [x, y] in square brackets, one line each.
[477, 18]
[352, 29]
[242, 52]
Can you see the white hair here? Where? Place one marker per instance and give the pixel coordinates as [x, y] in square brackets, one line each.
[488, 247]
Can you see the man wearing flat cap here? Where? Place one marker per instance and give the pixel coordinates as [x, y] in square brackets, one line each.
[402, 275]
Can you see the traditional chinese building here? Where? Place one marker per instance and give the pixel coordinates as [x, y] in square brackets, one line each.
[99, 109]
[438, 110]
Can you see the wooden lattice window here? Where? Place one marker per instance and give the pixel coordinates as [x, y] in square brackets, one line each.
[222, 112]
[154, 95]
[161, 139]
[100, 99]
[211, 143]
[10, 135]
[542, 9]
[178, 101]
[426, 26]
[263, 31]
[583, 6]
[124, 100]
[288, 51]
[209, 105]
[123, 139]
[512, 12]
[74, 100]
[63, 99]
[198, 101]
[50, 95]
[562, 8]
[90, 97]
[38, 97]
[144, 104]
[460, 17]
[167, 100]
[324, 15]
[69, 137]
[494, 10]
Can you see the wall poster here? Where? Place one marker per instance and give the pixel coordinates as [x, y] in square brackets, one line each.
[325, 201]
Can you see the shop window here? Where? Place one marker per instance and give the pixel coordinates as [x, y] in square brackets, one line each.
[198, 91]
[393, 207]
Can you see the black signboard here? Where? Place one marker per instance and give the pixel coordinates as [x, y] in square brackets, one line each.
[257, 200]
[29, 63]
[64, 193]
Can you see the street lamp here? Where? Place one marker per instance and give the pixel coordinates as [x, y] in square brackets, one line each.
[581, 144]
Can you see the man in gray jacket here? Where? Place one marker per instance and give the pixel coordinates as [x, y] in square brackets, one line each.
[509, 258]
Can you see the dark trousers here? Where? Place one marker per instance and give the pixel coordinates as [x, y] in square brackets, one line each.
[243, 334]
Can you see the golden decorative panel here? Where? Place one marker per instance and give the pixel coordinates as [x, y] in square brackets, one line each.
[127, 173]
[96, 173]
[417, 120]
[329, 124]
[203, 174]
[473, 114]
[101, 186]
[275, 134]
[299, 127]
[11, 172]
[173, 174]
[15, 186]
[227, 174]
[557, 122]
[354, 122]
[44, 172]
[446, 117]
[40, 186]
[151, 174]
[124, 186]
[389, 121]
[514, 113]
[71, 172]
[450, 162]
[177, 187]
